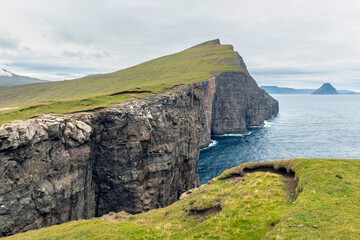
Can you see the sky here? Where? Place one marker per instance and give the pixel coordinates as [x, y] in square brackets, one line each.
[288, 43]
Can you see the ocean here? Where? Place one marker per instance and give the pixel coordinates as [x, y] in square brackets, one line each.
[307, 126]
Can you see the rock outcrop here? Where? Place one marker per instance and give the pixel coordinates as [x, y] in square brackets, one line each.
[325, 89]
[136, 156]
[46, 177]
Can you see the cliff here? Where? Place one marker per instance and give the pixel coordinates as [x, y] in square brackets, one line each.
[232, 102]
[135, 156]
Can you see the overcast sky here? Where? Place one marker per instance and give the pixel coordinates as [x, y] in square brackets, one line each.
[290, 43]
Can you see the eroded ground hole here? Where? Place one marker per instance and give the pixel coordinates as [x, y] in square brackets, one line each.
[288, 174]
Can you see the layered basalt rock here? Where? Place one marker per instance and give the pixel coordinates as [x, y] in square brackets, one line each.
[45, 175]
[136, 156]
[233, 101]
[146, 152]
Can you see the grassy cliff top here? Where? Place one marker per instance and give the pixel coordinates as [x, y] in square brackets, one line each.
[195, 64]
[243, 204]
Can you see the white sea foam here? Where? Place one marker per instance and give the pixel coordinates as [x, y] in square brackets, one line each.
[212, 144]
[267, 124]
[233, 135]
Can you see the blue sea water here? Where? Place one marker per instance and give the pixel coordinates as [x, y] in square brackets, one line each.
[307, 126]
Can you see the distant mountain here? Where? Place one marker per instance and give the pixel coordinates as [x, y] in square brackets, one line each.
[325, 89]
[282, 90]
[8, 78]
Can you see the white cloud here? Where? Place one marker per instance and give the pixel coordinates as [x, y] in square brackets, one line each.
[285, 42]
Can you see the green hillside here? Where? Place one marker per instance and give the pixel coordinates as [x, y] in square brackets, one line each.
[243, 205]
[191, 65]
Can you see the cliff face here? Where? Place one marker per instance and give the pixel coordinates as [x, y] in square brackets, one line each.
[145, 153]
[137, 156]
[232, 102]
[45, 174]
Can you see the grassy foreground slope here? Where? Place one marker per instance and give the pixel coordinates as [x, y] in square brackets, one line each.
[191, 65]
[257, 206]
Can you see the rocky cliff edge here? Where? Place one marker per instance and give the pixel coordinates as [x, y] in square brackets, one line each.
[136, 156]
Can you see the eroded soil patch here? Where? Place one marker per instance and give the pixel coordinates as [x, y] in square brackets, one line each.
[204, 212]
[288, 174]
[130, 93]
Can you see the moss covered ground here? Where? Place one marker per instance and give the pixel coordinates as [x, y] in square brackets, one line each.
[257, 205]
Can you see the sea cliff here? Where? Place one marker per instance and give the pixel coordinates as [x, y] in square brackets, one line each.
[135, 156]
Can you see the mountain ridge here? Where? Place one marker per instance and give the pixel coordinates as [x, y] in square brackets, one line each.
[8, 79]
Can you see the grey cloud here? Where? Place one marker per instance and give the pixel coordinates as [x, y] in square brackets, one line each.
[70, 54]
[287, 71]
[81, 54]
[8, 42]
[48, 67]
[308, 43]
[101, 55]
[66, 36]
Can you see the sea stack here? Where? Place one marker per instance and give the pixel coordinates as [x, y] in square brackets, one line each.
[325, 89]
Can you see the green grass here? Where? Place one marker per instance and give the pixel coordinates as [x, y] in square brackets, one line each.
[258, 208]
[191, 65]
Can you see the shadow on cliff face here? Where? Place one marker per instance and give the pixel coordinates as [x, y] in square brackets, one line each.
[288, 174]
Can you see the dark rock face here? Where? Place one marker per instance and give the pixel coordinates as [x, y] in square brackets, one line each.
[232, 102]
[146, 153]
[325, 89]
[45, 173]
[137, 156]
[207, 117]
[239, 103]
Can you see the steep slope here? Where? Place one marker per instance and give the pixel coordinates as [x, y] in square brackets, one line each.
[8, 78]
[252, 201]
[195, 64]
[191, 65]
[325, 89]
